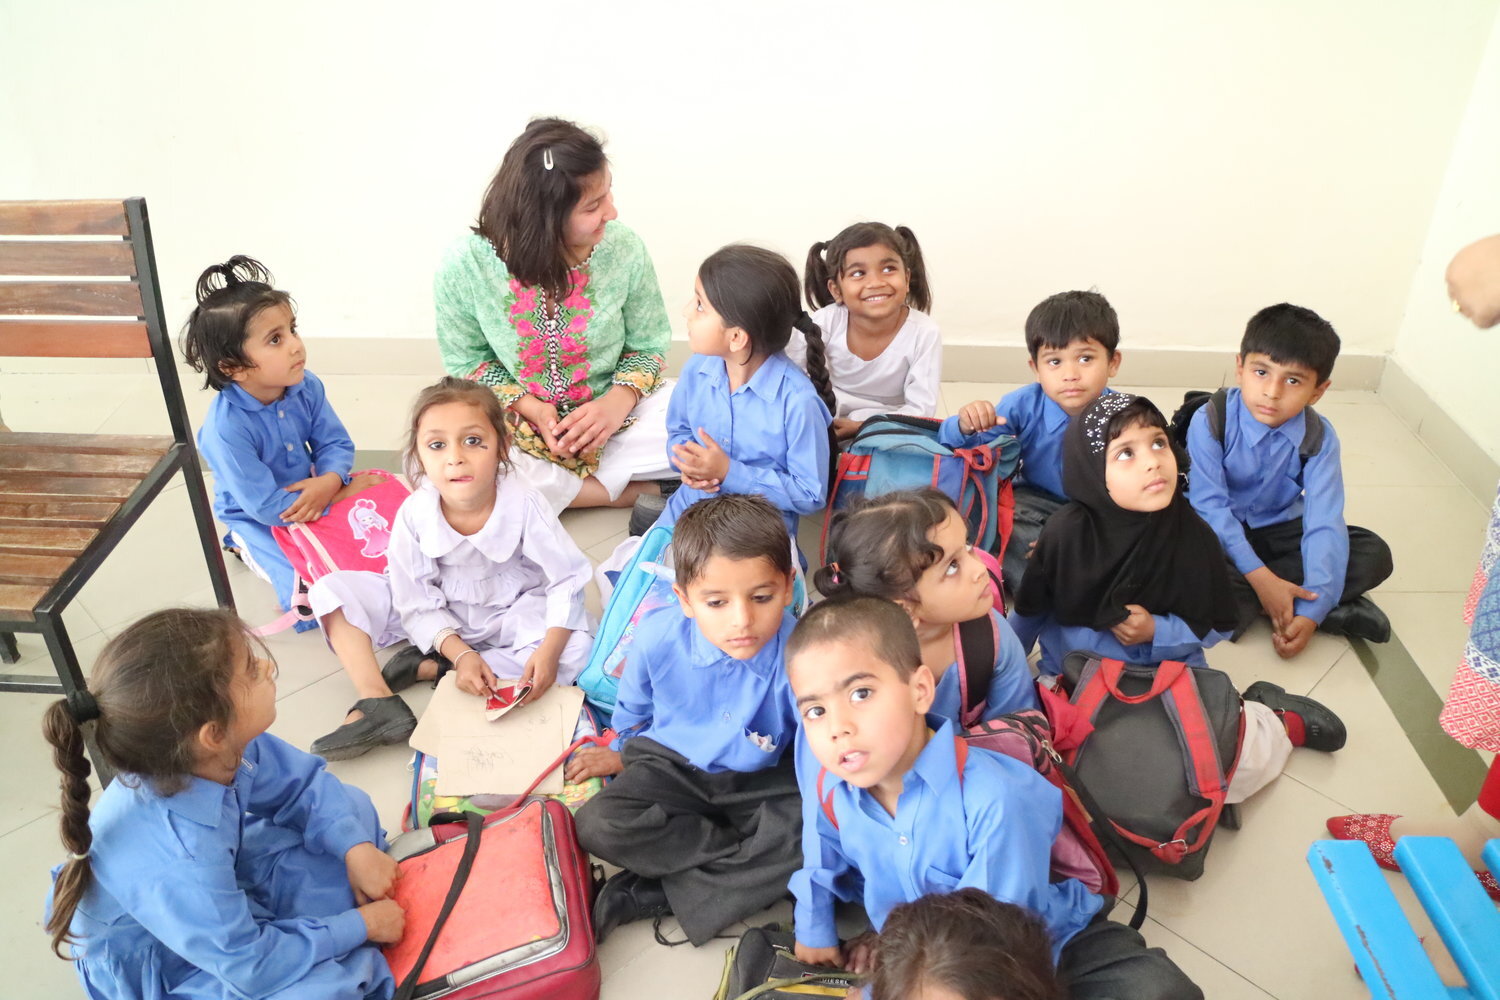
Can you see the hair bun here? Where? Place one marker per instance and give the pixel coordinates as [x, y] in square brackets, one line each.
[236, 270]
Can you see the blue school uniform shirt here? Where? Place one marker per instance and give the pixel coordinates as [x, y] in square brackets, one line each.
[255, 449]
[1256, 478]
[992, 830]
[1173, 640]
[175, 880]
[1038, 424]
[722, 714]
[774, 429]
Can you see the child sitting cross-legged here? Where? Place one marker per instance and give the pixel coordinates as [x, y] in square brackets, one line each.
[916, 811]
[704, 813]
[1276, 502]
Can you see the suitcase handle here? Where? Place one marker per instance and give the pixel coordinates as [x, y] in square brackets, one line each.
[1167, 673]
[475, 822]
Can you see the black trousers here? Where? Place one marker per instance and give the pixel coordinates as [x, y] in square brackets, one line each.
[1033, 507]
[724, 845]
[1110, 961]
[1279, 546]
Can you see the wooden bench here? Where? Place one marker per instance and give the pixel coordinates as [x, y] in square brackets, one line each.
[66, 500]
[1386, 949]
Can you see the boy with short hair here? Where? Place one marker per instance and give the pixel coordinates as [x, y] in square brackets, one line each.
[916, 810]
[704, 815]
[1274, 494]
[1073, 339]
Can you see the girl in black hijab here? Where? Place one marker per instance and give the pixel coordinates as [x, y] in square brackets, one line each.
[1127, 569]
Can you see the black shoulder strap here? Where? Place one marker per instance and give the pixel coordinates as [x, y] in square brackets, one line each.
[977, 648]
[1104, 829]
[408, 987]
[1218, 409]
[1312, 435]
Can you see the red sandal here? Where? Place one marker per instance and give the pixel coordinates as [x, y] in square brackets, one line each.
[1375, 830]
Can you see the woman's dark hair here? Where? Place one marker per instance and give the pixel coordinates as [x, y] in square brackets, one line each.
[879, 546]
[154, 687]
[756, 290]
[881, 625]
[969, 943]
[230, 295]
[525, 210]
[825, 262]
[454, 390]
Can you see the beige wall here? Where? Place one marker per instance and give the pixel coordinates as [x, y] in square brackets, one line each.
[1194, 161]
[1457, 365]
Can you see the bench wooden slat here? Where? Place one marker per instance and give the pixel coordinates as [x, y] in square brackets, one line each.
[63, 218]
[57, 514]
[64, 338]
[70, 298]
[22, 568]
[112, 258]
[17, 600]
[27, 539]
[75, 464]
[87, 444]
[25, 486]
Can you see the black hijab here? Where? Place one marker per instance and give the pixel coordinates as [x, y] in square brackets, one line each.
[1094, 557]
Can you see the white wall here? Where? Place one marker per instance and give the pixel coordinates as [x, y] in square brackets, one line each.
[1457, 365]
[1193, 160]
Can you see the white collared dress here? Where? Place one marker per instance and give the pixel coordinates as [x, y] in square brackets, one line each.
[501, 588]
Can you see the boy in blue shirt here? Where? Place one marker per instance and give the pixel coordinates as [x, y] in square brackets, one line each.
[1268, 481]
[1073, 339]
[704, 815]
[911, 809]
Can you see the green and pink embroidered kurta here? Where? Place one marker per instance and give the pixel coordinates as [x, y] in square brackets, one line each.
[610, 329]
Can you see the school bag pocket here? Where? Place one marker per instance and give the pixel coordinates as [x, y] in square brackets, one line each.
[893, 452]
[763, 964]
[1164, 746]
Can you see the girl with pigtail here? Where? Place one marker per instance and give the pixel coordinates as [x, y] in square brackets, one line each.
[869, 285]
[743, 418]
[222, 861]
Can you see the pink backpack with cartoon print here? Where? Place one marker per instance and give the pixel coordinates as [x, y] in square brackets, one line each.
[354, 534]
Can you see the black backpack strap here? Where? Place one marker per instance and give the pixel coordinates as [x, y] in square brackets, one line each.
[1218, 413]
[1312, 435]
[475, 822]
[977, 645]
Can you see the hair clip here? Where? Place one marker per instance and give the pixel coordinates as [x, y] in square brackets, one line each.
[547, 163]
[835, 575]
[78, 857]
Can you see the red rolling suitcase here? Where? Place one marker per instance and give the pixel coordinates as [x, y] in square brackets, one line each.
[496, 906]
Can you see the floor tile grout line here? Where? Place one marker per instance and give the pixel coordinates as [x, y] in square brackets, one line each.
[1210, 956]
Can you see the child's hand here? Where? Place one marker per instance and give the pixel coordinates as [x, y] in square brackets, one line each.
[978, 416]
[1294, 639]
[1138, 626]
[1277, 596]
[832, 957]
[372, 872]
[316, 494]
[705, 485]
[860, 953]
[702, 461]
[359, 484]
[844, 428]
[474, 676]
[540, 672]
[593, 762]
[543, 418]
[385, 921]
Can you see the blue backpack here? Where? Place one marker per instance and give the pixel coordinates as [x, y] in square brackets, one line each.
[895, 452]
[643, 586]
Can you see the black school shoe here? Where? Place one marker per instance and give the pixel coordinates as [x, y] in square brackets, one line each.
[648, 507]
[1358, 619]
[627, 897]
[400, 672]
[1308, 723]
[385, 721]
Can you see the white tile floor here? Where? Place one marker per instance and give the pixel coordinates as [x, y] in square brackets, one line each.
[1253, 927]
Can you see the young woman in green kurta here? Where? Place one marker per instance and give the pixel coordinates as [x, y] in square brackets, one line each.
[555, 306]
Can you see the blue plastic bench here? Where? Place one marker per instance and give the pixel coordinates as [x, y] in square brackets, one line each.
[1384, 945]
